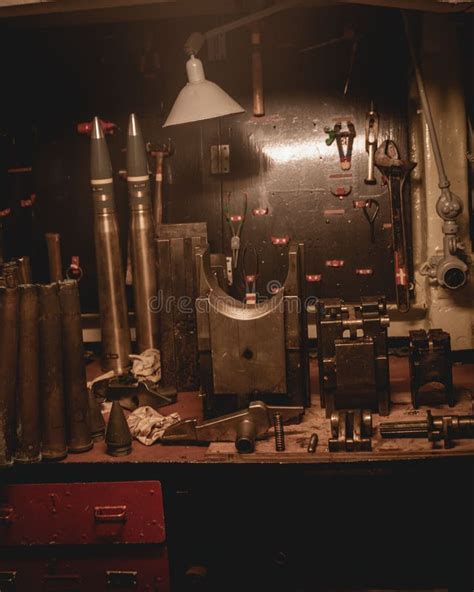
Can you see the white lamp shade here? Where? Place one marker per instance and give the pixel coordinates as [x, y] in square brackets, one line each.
[200, 98]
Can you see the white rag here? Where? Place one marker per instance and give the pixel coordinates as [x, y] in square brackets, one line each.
[147, 425]
[147, 366]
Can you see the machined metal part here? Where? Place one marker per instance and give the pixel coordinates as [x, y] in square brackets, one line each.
[353, 355]
[52, 407]
[53, 243]
[116, 345]
[256, 352]
[389, 163]
[117, 436]
[142, 234]
[371, 139]
[243, 427]
[176, 244]
[430, 362]
[28, 425]
[9, 310]
[132, 393]
[313, 443]
[75, 384]
[435, 428]
[449, 270]
[351, 431]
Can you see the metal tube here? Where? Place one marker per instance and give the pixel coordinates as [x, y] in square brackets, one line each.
[28, 427]
[53, 421]
[8, 365]
[75, 384]
[425, 105]
[142, 235]
[24, 270]
[116, 346]
[53, 242]
[245, 436]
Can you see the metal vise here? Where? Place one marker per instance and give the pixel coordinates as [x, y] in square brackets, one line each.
[353, 355]
[254, 352]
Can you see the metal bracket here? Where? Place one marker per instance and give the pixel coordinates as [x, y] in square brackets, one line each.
[220, 159]
[351, 431]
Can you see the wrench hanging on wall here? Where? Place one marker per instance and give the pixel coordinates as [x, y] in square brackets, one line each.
[387, 160]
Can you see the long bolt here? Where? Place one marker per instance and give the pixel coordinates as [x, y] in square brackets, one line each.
[279, 432]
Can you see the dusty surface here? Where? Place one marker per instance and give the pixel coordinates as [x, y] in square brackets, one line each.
[297, 436]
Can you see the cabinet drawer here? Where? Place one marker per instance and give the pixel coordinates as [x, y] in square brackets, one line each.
[61, 569]
[82, 513]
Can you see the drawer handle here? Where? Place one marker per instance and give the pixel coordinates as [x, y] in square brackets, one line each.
[110, 513]
[6, 514]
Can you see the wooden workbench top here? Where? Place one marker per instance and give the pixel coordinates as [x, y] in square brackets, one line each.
[297, 436]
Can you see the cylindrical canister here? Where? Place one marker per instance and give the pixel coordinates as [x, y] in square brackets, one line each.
[142, 237]
[8, 371]
[78, 432]
[116, 345]
[28, 427]
[53, 418]
[53, 242]
[24, 270]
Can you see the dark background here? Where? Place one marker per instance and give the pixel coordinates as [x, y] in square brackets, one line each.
[55, 76]
[59, 76]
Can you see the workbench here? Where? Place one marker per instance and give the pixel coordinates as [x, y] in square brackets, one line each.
[297, 436]
[398, 517]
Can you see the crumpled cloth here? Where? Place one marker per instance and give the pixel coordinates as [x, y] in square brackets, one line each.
[147, 425]
[147, 366]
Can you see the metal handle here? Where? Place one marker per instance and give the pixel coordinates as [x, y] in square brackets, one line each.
[6, 515]
[62, 582]
[110, 514]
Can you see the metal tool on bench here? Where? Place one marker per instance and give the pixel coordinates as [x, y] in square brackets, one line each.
[435, 428]
[430, 362]
[353, 369]
[351, 431]
[252, 353]
[389, 163]
[371, 138]
[343, 138]
[243, 427]
[133, 393]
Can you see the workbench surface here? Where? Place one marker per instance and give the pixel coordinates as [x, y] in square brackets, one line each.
[297, 436]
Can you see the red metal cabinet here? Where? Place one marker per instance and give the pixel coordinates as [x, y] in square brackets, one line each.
[83, 537]
[116, 570]
[82, 513]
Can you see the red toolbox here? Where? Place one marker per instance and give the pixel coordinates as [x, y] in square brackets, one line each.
[82, 513]
[83, 537]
